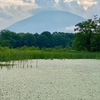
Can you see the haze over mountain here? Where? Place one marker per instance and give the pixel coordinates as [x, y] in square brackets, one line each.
[47, 21]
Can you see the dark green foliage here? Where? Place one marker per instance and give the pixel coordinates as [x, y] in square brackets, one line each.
[88, 36]
[43, 40]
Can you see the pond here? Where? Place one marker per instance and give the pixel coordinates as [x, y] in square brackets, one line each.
[67, 79]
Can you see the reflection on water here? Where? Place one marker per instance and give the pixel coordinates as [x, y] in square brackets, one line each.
[51, 80]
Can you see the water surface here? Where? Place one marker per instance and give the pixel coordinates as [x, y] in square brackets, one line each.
[51, 80]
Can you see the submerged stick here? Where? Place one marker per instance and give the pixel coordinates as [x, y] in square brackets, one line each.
[36, 63]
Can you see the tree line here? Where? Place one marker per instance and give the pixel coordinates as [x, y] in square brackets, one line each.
[43, 40]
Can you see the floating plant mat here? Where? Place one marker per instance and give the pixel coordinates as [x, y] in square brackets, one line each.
[51, 80]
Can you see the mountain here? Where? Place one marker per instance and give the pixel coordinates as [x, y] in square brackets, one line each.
[46, 21]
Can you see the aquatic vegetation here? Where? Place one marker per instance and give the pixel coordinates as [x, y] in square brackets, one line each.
[29, 53]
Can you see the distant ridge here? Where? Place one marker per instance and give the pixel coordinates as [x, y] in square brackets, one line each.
[46, 21]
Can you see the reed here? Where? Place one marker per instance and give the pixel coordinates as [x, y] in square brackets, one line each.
[15, 54]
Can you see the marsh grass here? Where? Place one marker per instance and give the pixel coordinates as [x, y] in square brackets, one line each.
[17, 54]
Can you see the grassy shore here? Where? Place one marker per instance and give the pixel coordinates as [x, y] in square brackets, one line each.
[7, 54]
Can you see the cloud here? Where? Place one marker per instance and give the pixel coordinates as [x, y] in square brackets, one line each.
[12, 11]
[84, 3]
[28, 1]
[4, 14]
[93, 10]
[23, 3]
[70, 6]
[70, 29]
[83, 8]
[46, 4]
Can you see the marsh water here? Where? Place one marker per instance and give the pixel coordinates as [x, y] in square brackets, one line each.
[67, 79]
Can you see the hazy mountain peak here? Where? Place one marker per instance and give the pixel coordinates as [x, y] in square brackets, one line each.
[47, 21]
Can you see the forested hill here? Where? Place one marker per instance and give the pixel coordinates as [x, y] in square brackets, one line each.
[43, 40]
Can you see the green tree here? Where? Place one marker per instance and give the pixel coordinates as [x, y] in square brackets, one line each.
[29, 39]
[48, 38]
[87, 35]
[7, 38]
[42, 41]
[62, 39]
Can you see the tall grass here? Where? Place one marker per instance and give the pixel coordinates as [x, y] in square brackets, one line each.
[21, 54]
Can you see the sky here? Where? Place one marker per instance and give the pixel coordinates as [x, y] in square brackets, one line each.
[12, 11]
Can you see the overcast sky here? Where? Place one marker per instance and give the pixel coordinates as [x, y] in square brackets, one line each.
[12, 11]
